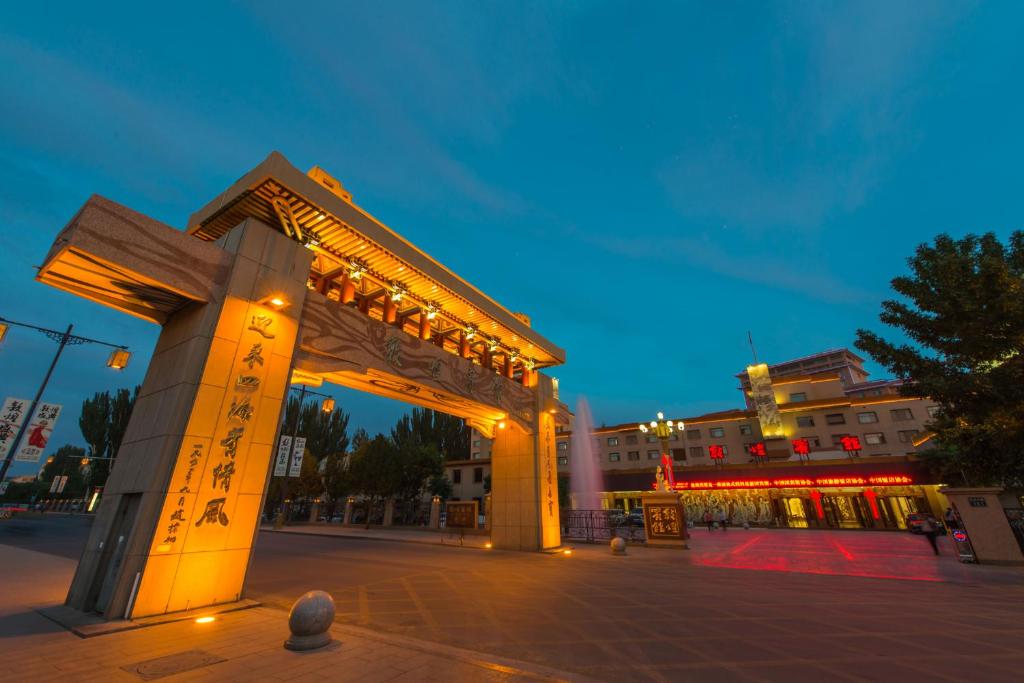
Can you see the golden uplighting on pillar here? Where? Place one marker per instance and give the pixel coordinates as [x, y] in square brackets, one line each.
[567, 552]
[328, 405]
[119, 359]
[205, 620]
[488, 545]
[501, 425]
[276, 302]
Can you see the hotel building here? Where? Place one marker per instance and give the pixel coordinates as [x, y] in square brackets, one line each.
[839, 451]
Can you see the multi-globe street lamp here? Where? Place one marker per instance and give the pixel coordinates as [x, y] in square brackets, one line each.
[662, 429]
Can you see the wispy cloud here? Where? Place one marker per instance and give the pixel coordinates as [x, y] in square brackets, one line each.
[809, 144]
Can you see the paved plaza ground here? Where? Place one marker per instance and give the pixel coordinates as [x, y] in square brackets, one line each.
[740, 606]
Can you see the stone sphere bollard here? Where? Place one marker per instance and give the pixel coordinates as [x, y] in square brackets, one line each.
[618, 546]
[310, 621]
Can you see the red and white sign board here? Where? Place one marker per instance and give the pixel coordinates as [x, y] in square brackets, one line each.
[11, 418]
[38, 433]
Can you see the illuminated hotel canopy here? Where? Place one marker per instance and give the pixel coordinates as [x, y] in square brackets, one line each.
[343, 235]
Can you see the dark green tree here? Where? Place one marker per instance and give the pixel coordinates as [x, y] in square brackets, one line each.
[67, 460]
[325, 433]
[375, 471]
[962, 315]
[448, 435]
[103, 422]
[440, 485]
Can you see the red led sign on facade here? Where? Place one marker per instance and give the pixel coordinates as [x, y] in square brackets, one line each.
[716, 452]
[758, 450]
[850, 443]
[801, 446]
[821, 482]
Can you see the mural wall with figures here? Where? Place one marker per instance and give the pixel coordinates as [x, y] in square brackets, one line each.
[740, 506]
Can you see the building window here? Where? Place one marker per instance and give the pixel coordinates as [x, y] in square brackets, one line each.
[563, 445]
[696, 451]
[675, 436]
[874, 439]
[717, 432]
[837, 439]
[804, 421]
[456, 476]
[653, 455]
[562, 460]
[478, 475]
[651, 438]
[835, 419]
[813, 441]
[631, 440]
[745, 430]
[476, 442]
[867, 418]
[693, 434]
[933, 411]
[613, 441]
[798, 397]
[679, 454]
[476, 455]
[907, 435]
[633, 455]
[901, 414]
[613, 457]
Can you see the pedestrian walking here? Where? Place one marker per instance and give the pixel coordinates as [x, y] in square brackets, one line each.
[950, 518]
[722, 519]
[709, 519]
[930, 532]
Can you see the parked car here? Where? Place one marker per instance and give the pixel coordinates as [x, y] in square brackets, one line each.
[916, 519]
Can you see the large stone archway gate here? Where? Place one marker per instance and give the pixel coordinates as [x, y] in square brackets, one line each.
[280, 279]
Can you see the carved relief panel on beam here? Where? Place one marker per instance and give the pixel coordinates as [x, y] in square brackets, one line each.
[335, 339]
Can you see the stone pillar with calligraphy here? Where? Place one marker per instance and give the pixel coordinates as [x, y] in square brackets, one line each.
[180, 510]
[524, 477]
[664, 520]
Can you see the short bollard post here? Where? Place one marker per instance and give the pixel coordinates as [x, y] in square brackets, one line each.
[310, 621]
[618, 546]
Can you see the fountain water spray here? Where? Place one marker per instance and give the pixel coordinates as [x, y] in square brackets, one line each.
[586, 480]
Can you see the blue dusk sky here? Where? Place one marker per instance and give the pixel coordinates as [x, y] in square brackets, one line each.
[647, 181]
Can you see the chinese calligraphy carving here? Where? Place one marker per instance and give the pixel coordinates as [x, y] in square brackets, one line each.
[663, 520]
[435, 369]
[247, 382]
[214, 513]
[255, 356]
[240, 411]
[261, 324]
[392, 351]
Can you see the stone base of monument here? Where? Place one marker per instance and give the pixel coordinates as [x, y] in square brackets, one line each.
[664, 520]
[310, 621]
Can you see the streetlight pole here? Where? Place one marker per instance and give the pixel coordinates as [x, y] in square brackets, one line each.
[662, 429]
[63, 339]
[282, 515]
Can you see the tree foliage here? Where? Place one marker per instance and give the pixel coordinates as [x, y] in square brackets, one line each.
[963, 317]
[325, 433]
[67, 460]
[448, 434]
[103, 422]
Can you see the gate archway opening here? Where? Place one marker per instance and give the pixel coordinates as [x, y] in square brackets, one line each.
[282, 279]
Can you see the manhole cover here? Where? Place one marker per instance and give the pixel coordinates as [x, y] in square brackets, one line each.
[151, 669]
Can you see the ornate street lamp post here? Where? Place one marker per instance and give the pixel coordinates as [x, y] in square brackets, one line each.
[118, 360]
[663, 429]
